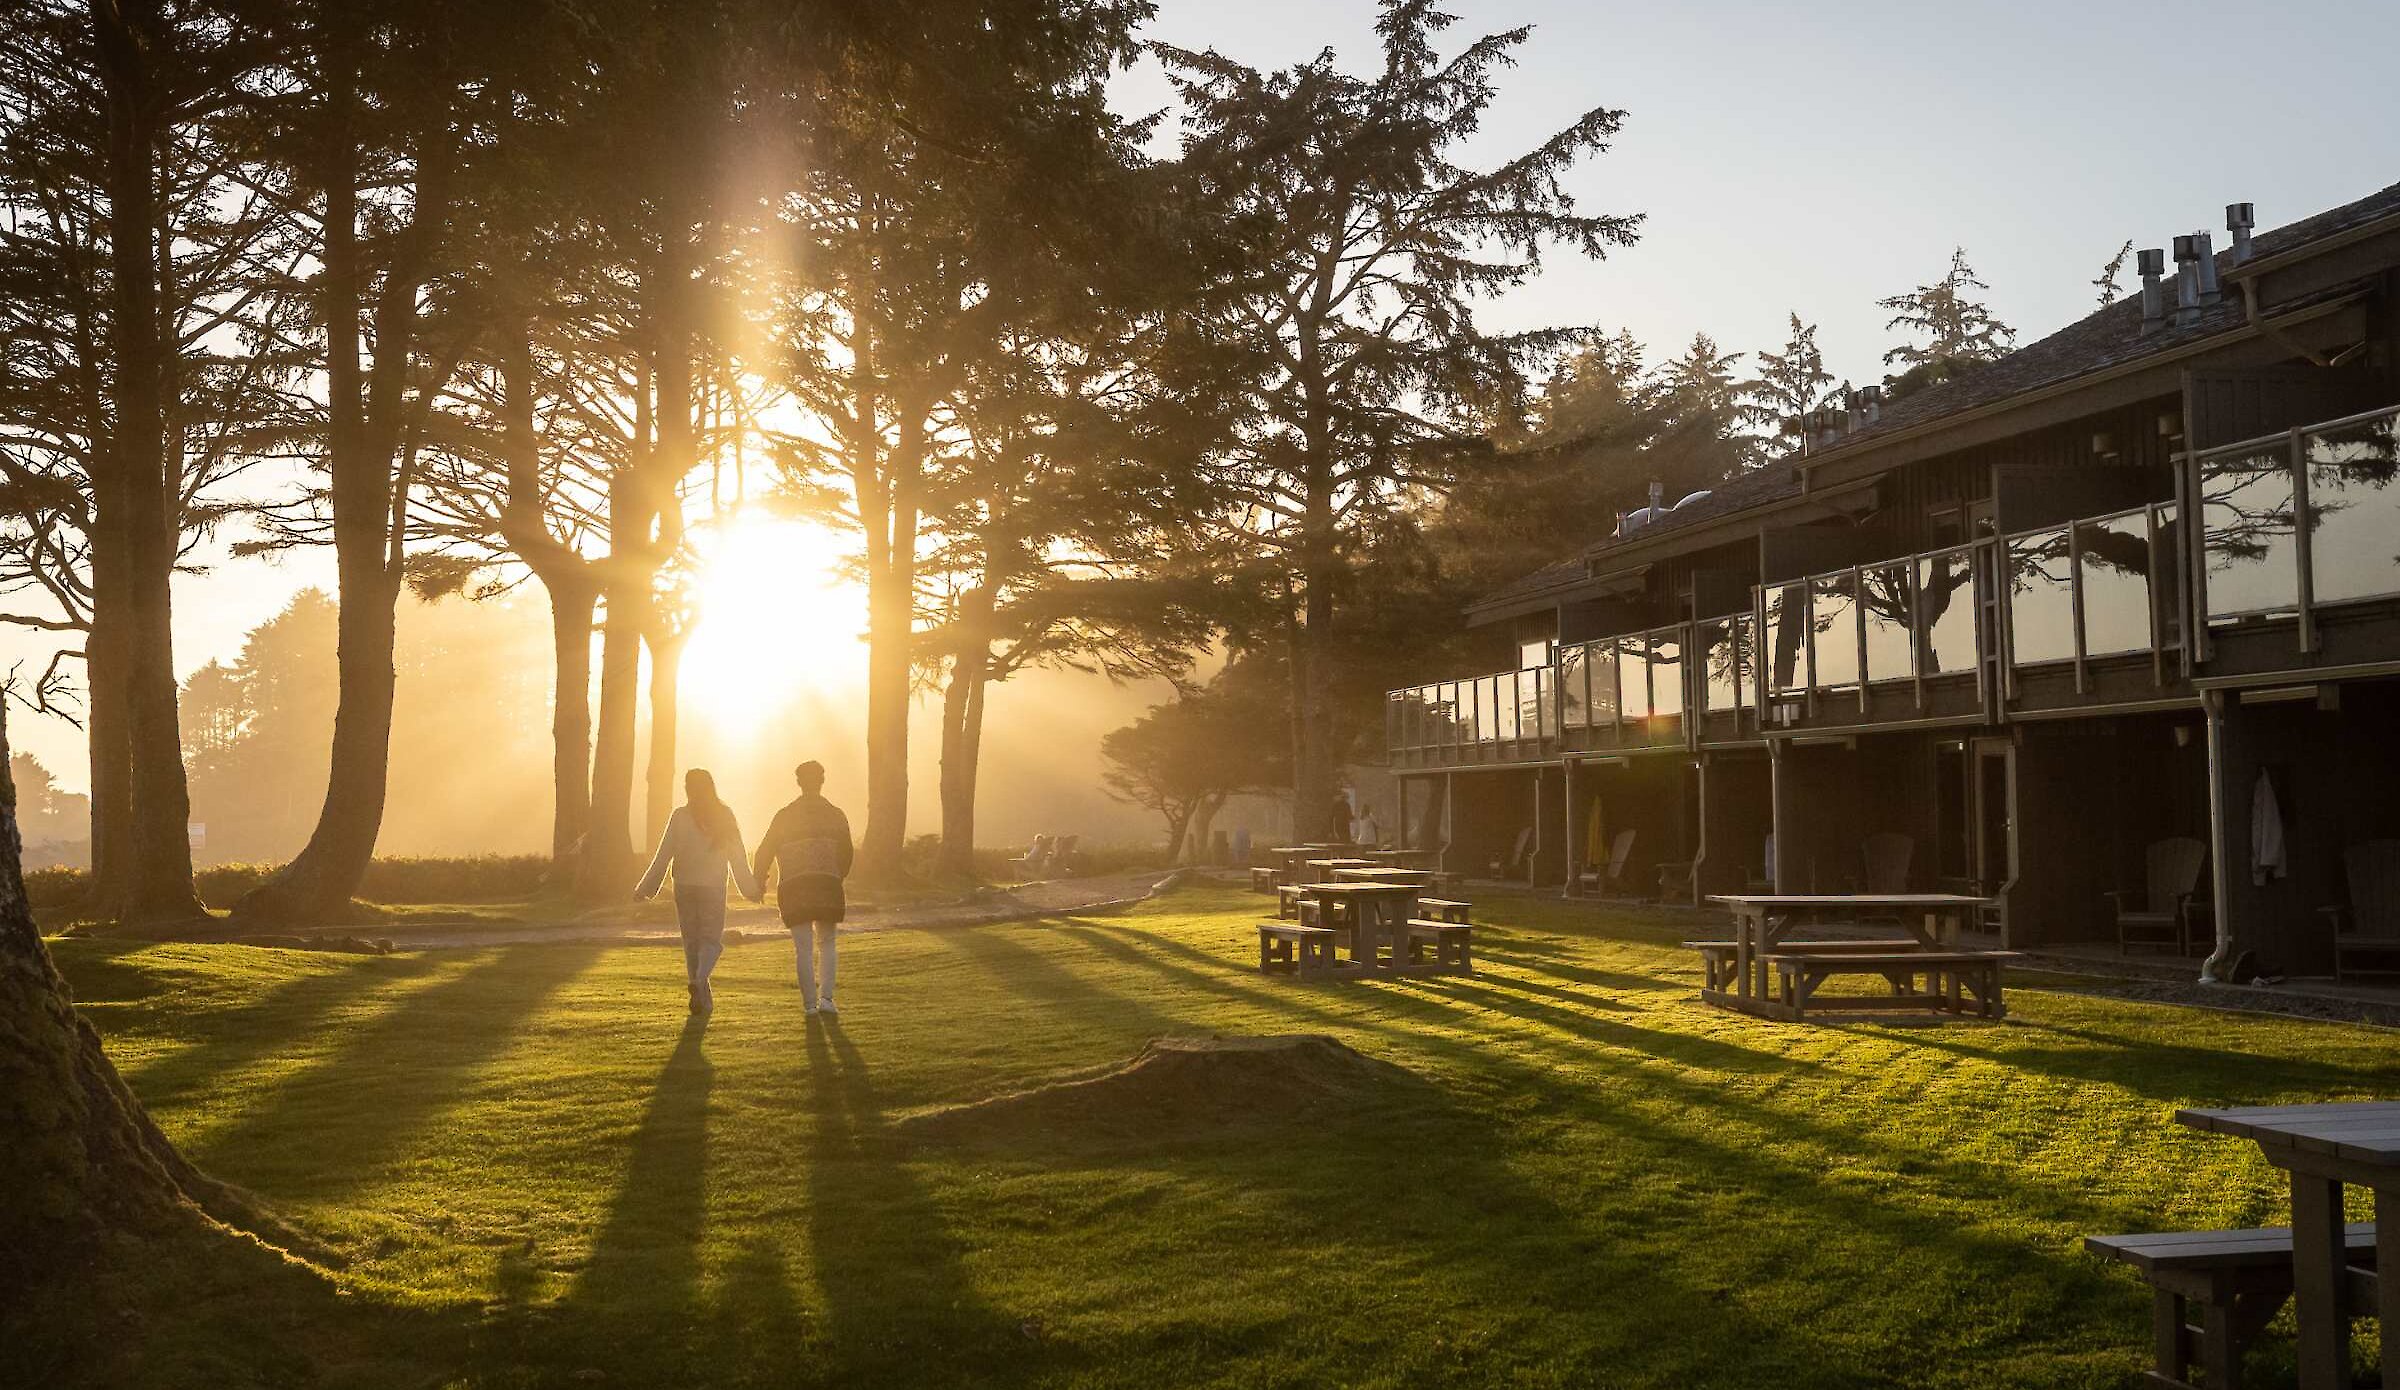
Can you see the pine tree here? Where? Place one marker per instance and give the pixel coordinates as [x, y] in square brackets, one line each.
[1789, 384]
[2107, 283]
[1959, 330]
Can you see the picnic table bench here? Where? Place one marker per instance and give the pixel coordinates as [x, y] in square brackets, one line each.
[2237, 1281]
[1376, 922]
[1291, 949]
[1763, 978]
[1444, 909]
[1717, 957]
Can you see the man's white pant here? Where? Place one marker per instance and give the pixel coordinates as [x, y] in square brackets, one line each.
[816, 978]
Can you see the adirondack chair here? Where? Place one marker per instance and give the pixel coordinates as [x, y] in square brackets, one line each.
[1036, 857]
[1613, 875]
[2371, 945]
[1520, 858]
[2161, 914]
[1887, 854]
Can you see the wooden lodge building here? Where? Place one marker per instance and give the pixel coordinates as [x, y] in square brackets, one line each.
[2037, 620]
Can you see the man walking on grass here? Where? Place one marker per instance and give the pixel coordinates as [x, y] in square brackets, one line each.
[810, 839]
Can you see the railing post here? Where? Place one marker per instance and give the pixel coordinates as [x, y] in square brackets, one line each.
[2075, 601]
[2158, 636]
[1858, 632]
[2303, 547]
[2193, 516]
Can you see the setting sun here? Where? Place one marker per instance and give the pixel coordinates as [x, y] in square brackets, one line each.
[777, 621]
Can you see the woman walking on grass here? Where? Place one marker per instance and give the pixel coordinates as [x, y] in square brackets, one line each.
[701, 844]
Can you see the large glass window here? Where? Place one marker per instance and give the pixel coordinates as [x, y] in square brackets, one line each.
[1720, 667]
[1787, 638]
[2166, 582]
[1666, 673]
[1886, 605]
[1745, 648]
[1946, 611]
[1604, 684]
[1505, 706]
[1541, 716]
[1834, 620]
[2116, 583]
[2246, 524]
[1573, 711]
[2041, 598]
[2354, 510]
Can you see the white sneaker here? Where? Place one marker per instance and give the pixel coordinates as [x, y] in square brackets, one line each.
[808, 1010]
[825, 1006]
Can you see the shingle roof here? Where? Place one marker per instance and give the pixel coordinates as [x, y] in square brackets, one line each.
[2097, 342]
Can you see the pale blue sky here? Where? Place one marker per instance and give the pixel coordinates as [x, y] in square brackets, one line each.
[1812, 158]
[1822, 157]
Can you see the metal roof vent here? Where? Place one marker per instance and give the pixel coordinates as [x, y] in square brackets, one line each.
[2187, 281]
[2153, 264]
[2239, 219]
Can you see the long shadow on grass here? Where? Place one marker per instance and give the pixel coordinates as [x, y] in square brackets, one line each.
[2173, 1072]
[358, 1103]
[239, 1038]
[631, 1312]
[1039, 978]
[900, 1307]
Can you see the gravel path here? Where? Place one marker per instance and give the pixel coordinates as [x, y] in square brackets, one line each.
[1099, 893]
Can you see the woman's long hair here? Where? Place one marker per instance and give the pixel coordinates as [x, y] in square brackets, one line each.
[714, 816]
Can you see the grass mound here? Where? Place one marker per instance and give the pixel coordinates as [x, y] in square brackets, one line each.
[1179, 1088]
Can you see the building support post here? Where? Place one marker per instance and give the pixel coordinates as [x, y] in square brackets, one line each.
[1570, 786]
[1786, 796]
[2220, 842]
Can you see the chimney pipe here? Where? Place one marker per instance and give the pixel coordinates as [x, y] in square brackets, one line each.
[1658, 496]
[2187, 281]
[2239, 219]
[2153, 264]
[2206, 244]
[1870, 400]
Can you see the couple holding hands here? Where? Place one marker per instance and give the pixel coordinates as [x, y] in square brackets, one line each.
[809, 841]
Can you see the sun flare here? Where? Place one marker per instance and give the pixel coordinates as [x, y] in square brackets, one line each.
[777, 622]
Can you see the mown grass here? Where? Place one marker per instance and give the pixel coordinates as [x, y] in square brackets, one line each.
[1586, 1178]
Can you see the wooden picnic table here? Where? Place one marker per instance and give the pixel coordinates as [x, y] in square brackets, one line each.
[1404, 858]
[1406, 878]
[2322, 1148]
[1378, 913]
[1328, 869]
[1762, 920]
[1290, 859]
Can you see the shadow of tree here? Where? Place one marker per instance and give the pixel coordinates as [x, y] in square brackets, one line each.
[242, 1037]
[418, 1055]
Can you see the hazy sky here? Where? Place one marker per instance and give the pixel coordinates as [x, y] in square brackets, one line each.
[1811, 158]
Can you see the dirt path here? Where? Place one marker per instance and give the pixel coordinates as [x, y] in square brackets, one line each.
[749, 922]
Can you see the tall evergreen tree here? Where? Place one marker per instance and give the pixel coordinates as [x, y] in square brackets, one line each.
[1353, 320]
[1957, 328]
[1788, 384]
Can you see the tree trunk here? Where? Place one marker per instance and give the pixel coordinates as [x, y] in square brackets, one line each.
[666, 670]
[571, 603]
[962, 748]
[157, 870]
[364, 433]
[1204, 821]
[111, 755]
[1314, 775]
[605, 870]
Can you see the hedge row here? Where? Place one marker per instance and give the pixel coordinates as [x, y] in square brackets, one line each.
[480, 878]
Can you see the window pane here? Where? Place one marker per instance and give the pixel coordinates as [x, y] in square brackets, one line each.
[1570, 686]
[1666, 673]
[1719, 661]
[2354, 510]
[2116, 584]
[1787, 638]
[1604, 684]
[1504, 705]
[1543, 720]
[2166, 586]
[1886, 606]
[2246, 523]
[1946, 605]
[1745, 643]
[2041, 599]
[1461, 715]
[1834, 623]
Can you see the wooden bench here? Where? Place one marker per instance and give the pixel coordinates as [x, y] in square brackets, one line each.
[1444, 909]
[1453, 944]
[2237, 1279]
[1288, 905]
[1265, 879]
[1287, 948]
[1798, 975]
[1716, 957]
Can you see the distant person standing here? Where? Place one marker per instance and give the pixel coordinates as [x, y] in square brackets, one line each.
[701, 844]
[810, 841]
[1341, 818]
[1365, 832]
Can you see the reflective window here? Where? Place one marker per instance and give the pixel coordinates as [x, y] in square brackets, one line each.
[2354, 510]
[1946, 611]
[1787, 638]
[2116, 584]
[1504, 705]
[1666, 673]
[1573, 711]
[2246, 524]
[1604, 684]
[1834, 621]
[1886, 606]
[1745, 646]
[1720, 659]
[2166, 585]
[2041, 598]
[1541, 717]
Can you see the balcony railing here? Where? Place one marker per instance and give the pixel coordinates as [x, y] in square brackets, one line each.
[2258, 562]
[2092, 595]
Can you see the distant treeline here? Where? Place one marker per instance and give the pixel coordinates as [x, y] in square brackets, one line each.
[469, 879]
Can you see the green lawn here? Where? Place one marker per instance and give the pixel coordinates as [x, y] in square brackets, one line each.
[1572, 1173]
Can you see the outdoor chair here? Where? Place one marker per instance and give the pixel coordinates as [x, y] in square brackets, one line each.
[2161, 915]
[1611, 876]
[1519, 858]
[1035, 859]
[2366, 938]
[1887, 855]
